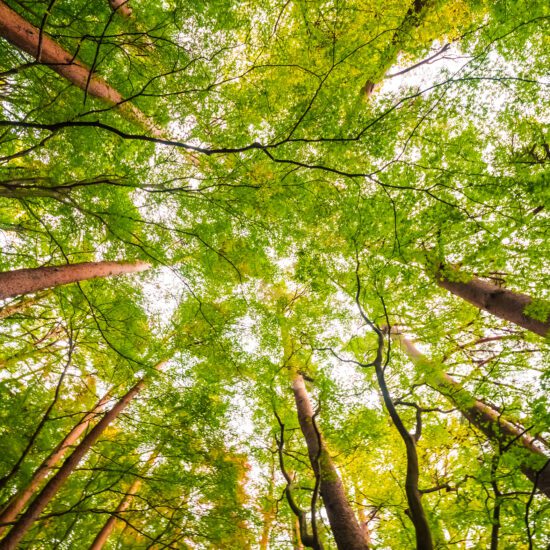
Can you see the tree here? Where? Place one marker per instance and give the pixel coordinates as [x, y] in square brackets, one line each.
[33, 41]
[25, 281]
[238, 149]
[17, 532]
[20, 500]
[487, 419]
[509, 305]
[102, 537]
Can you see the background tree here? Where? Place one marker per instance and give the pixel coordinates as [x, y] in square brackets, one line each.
[233, 148]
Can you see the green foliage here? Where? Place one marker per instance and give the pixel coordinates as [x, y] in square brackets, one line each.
[285, 213]
[538, 309]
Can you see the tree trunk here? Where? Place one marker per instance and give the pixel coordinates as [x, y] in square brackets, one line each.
[21, 305]
[22, 497]
[121, 7]
[28, 38]
[268, 516]
[344, 525]
[24, 281]
[484, 418]
[414, 497]
[269, 510]
[20, 528]
[295, 531]
[110, 524]
[364, 522]
[498, 301]
[410, 21]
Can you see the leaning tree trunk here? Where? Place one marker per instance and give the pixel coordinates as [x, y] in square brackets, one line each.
[498, 301]
[27, 37]
[22, 497]
[347, 532]
[110, 524]
[21, 305]
[410, 21]
[121, 7]
[485, 418]
[24, 281]
[49, 491]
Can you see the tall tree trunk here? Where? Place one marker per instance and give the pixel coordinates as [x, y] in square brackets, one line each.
[295, 532]
[22, 497]
[483, 417]
[498, 301]
[20, 528]
[344, 525]
[364, 522]
[268, 515]
[24, 281]
[21, 305]
[110, 524]
[268, 511]
[27, 37]
[121, 7]
[410, 21]
[417, 514]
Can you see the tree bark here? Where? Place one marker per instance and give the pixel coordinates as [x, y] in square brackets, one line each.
[498, 301]
[295, 532]
[20, 528]
[347, 532]
[364, 522]
[410, 21]
[22, 497]
[485, 418]
[25, 36]
[21, 305]
[121, 7]
[110, 524]
[24, 281]
[269, 510]
[417, 514]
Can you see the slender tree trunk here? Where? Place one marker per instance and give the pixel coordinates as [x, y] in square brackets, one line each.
[410, 21]
[27, 37]
[483, 417]
[110, 524]
[21, 305]
[52, 337]
[364, 522]
[295, 532]
[121, 7]
[22, 497]
[268, 517]
[25, 522]
[268, 511]
[344, 525]
[498, 301]
[24, 281]
[414, 497]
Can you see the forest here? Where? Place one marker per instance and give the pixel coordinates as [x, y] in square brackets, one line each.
[275, 275]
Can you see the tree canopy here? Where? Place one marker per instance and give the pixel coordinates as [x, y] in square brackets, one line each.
[340, 331]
